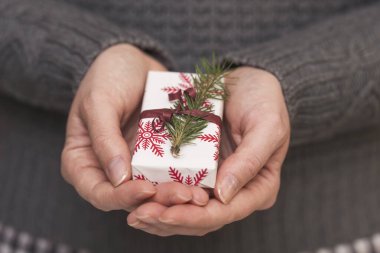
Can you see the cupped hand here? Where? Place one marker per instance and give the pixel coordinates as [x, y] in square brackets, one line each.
[96, 156]
[249, 177]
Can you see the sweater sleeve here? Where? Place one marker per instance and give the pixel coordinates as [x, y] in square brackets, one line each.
[329, 73]
[47, 46]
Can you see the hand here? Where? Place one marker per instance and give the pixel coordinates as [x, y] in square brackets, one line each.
[249, 178]
[96, 157]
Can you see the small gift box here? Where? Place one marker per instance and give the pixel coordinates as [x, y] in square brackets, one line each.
[152, 158]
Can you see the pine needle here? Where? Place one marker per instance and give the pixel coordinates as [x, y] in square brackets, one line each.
[208, 83]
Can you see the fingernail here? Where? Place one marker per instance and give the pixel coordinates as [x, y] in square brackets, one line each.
[166, 220]
[117, 171]
[200, 199]
[144, 194]
[228, 188]
[182, 198]
[138, 224]
[135, 224]
[146, 218]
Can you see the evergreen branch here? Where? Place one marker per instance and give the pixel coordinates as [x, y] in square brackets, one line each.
[208, 83]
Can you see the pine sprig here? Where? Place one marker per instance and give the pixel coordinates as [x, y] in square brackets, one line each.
[208, 83]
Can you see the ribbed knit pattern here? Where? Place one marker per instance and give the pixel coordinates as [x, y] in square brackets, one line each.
[330, 73]
[329, 195]
[47, 46]
[325, 53]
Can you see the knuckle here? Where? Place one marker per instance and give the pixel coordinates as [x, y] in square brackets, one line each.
[126, 203]
[280, 126]
[253, 164]
[101, 140]
[96, 199]
[91, 100]
[274, 119]
[273, 186]
[270, 202]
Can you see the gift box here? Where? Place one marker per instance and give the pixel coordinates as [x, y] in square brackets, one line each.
[152, 158]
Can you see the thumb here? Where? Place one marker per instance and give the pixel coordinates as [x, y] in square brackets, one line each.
[256, 147]
[103, 120]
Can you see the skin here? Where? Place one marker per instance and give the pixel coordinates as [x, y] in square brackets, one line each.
[105, 103]
[248, 178]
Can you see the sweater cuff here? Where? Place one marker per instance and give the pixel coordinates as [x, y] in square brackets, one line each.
[97, 43]
[53, 45]
[326, 73]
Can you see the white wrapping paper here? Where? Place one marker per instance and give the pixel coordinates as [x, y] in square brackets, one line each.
[152, 160]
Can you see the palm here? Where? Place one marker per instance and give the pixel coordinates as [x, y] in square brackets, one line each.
[101, 130]
[254, 144]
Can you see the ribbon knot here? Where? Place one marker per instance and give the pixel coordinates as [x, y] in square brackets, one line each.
[165, 115]
[179, 95]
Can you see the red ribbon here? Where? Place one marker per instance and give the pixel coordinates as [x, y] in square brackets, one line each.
[179, 95]
[165, 114]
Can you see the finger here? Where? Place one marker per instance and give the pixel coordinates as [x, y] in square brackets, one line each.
[189, 216]
[156, 231]
[256, 147]
[200, 196]
[148, 213]
[146, 217]
[134, 222]
[91, 183]
[174, 193]
[102, 118]
[260, 193]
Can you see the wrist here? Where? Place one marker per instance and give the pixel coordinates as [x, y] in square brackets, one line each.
[249, 73]
[127, 51]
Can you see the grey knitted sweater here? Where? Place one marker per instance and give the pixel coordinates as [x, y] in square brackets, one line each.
[326, 54]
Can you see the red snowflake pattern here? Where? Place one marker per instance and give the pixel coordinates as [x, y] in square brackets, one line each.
[147, 138]
[142, 177]
[184, 84]
[200, 176]
[170, 89]
[188, 180]
[185, 81]
[214, 138]
[176, 175]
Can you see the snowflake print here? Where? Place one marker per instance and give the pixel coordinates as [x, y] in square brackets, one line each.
[142, 177]
[177, 176]
[214, 138]
[185, 81]
[148, 138]
[184, 84]
[170, 89]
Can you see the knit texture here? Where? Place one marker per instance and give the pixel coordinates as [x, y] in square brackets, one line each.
[330, 73]
[46, 47]
[325, 54]
[329, 195]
